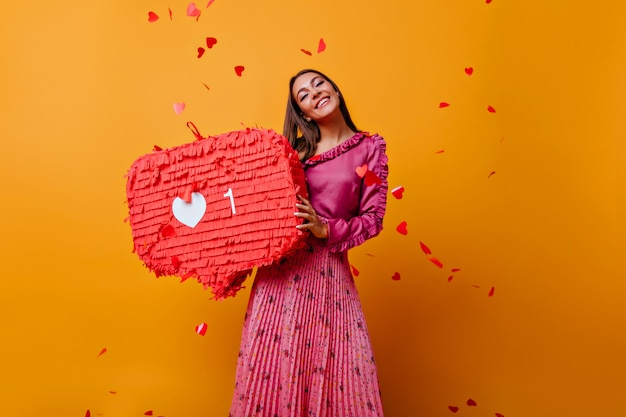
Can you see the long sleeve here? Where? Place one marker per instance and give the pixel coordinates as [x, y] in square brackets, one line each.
[348, 233]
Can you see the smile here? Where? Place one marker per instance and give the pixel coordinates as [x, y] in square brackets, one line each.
[322, 102]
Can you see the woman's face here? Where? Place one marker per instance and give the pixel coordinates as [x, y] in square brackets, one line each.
[315, 96]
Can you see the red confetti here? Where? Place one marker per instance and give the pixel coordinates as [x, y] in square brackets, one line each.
[209, 3]
[192, 10]
[443, 104]
[179, 107]
[176, 262]
[441, 151]
[355, 271]
[492, 291]
[491, 109]
[201, 329]
[397, 192]
[321, 47]
[361, 171]
[206, 86]
[200, 51]
[88, 413]
[170, 12]
[425, 248]
[371, 179]
[112, 392]
[453, 408]
[475, 286]
[152, 17]
[396, 276]
[210, 42]
[402, 228]
[469, 70]
[499, 415]
[239, 70]
[490, 174]
[306, 52]
[471, 403]
[488, 1]
[455, 270]
[168, 231]
[186, 276]
[436, 262]
[450, 278]
[157, 148]
[102, 352]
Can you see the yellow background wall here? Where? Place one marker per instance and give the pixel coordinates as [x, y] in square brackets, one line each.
[88, 87]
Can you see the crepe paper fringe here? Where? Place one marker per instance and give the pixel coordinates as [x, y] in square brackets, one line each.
[265, 176]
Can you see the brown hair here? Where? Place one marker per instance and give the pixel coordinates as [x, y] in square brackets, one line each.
[295, 123]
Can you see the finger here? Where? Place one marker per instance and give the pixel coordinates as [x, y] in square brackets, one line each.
[304, 200]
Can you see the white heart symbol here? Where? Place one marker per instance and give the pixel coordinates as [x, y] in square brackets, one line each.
[189, 214]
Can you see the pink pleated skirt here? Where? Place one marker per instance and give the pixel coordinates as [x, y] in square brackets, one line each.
[305, 348]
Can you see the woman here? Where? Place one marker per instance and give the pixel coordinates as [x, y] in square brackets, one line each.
[305, 348]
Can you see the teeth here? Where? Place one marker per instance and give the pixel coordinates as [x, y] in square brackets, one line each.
[322, 102]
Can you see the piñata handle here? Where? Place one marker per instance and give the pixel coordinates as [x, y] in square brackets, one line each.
[194, 130]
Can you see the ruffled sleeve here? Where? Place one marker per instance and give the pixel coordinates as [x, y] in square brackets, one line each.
[348, 233]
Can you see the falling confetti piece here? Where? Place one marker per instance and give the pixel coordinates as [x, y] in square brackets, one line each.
[402, 228]
[206, 86]
[471, 403]
[321, 47]
[492, 291]
[201, 329]
[209, 3]
[490, 174]
[498, 414]
[113, 392]
[453, 408]
[306, 52]
[475, 286]
[487, 1]
[443, 104]
[210, 42]
[192, 10]
[170, 12]
[455, 269]
[441, 151]
[152, 17]
[355, 271]
[239, 70]
[179, 107]
[396, 276]
[397, 192]
[102, 352]
[425, 248]
[361, 171]
[436, 262]
[469, 70]
[369, 254]
[168, 231]
[157, 148]
[371, 179]
[491, 109]
[450, 278]
[88, 413]
[200, 51]
[176, 262]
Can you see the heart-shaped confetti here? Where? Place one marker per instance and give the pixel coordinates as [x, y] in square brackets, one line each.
[113, 392]
[492, 291]
[201, 329]
[490, 174]
[361, 171]
[152, 17]
[200, 51]
[88, 413]
[396, 276]
[425, 248]
[450, 278]
[179, 107]
[148, 413]
[168, 231]
[192, 10]
[443, 104]
[306, 52]
[490, 109]
[210, 42]
[453, 408]
[471, 403]
[170, 12]
[436, 262]
[355, 271]
[455, 269]
[402, 228]
[371, 179]
[469, 70]
[102, 352]
[321, 46]
[487, 1]
[440, 151]
[239, 70]
[498, 414]
[191, 213]
[176, 262]
[209, 3]
[397, 192]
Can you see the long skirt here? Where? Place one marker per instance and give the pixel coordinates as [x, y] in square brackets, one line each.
[305, 348]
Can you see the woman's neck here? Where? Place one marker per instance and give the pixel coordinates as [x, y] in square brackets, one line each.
[333, 134]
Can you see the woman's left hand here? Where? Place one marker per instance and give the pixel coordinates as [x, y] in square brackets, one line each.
[312, 222]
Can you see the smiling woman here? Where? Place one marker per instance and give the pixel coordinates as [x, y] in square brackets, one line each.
[305, 347]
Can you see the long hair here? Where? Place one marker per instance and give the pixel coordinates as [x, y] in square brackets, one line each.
[295, 123]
